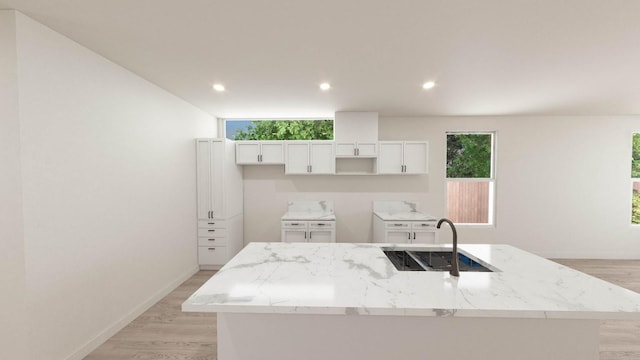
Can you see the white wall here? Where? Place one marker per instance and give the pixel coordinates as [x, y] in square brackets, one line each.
[563, 186]
[108, 180]
[12, 261]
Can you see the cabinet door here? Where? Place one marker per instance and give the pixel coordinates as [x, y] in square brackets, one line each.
[423, 237]
[297, 158]
[415, 157]
[272, 152]
[289, 235]
[247, 152]
[345, 149]
[367, 149]
[398, 237]
[390, 157]
[322, 158]
[217, 178]
[203, 178]
[321, 236]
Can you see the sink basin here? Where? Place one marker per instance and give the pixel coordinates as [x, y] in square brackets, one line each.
[440, 260]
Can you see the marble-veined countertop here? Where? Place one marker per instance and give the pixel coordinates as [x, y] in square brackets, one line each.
[405, 216]
[320, 210]
[358, 279]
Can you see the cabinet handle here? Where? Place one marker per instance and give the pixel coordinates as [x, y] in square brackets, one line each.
[211, 223]
[414, 236]
[321, 224]
[305, 234]
[397, 224]
[309, 235]
[357, 151]
[211, 248]
[211, 239]
[211, 230]
[310, 168]
[295, 224]
[409, 236]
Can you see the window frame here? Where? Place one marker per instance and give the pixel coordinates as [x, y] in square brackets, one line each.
[224, 125]
[491, 223]
[633, 181]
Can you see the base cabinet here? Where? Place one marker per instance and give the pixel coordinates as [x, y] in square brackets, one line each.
[404, 232]
[218, 241]
[308, 231]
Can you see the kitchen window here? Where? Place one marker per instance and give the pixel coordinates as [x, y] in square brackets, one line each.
[470, 177]
[635, 179]
[279, 129]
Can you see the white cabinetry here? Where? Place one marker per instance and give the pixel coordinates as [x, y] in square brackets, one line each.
[259, 152]
[308, 231]
[356, 149]
[309, 157]
[219, 202]
[403, 157]
[413, 232]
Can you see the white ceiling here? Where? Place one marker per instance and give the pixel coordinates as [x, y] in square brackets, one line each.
[489, 57]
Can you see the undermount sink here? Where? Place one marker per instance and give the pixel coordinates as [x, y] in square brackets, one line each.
[439, 260]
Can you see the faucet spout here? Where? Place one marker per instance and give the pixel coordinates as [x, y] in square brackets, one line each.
[454, 258]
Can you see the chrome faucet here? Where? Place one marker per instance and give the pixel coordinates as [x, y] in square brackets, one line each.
[454, 258]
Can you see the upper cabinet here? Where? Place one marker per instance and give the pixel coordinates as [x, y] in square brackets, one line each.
[259, 152]
[309, 157]
[403, 157]
[356, 149]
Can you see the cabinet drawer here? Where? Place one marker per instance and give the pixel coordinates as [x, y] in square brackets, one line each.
[322, 224]
[212, 255]
[212, 241]
[294, 224]
[397, 225]
[424, 225]
[212, 223]
[212, 232]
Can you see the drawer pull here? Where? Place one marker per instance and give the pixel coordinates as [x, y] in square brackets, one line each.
[295, 224]
[211, 223]
[211, 239]
[398, 224]
[211, 230]
[322, 224]
[211, 248]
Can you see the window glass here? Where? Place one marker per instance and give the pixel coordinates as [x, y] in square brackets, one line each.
[470, 181]
[303, 129]
[469, 155]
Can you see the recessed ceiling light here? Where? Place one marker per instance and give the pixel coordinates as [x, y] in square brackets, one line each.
[325, 86]
[218, 87]
[428, 85]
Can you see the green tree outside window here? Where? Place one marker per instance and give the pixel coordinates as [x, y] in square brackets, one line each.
[469, 155]
[287, 130]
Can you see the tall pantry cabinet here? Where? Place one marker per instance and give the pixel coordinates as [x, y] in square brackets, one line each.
[219, 187]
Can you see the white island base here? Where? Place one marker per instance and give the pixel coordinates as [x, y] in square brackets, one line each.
[244, 336]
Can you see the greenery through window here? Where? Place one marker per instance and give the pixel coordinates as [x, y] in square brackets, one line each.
[635, 175]
[470, 182]
[279, 129]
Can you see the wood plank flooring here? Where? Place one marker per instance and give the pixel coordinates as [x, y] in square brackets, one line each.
[165, 332]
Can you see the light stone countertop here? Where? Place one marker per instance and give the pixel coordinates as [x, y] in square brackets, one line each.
[309, 210]
[399, 210]
[358, 279]
[408, 216]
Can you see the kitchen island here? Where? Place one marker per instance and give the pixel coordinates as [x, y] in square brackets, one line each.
[339, 301]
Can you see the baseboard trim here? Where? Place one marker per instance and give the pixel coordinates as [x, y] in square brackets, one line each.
[118, 325]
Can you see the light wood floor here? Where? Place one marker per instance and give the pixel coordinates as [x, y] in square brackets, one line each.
[164, 332]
